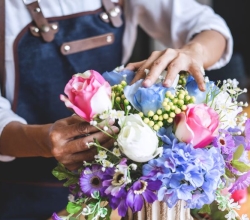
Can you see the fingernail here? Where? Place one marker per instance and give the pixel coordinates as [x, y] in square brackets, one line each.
[147, 82]
[167, 83]
[115, 129]
[203, 89]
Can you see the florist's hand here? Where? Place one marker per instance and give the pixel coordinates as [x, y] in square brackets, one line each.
[173, 60]
[69, 138]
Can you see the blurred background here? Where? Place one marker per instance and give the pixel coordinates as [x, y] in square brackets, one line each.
[237, 16]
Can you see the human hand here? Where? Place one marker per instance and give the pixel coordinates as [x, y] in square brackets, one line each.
[189, 59]
[69, 138]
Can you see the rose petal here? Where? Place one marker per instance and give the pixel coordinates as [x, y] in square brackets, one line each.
[203, 136]
[183, 131]
[75, 108]
[101, 101]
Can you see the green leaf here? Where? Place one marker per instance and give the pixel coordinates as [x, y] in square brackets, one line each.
[109, 211]
[238, 152]
[205, 209]
[61, 173]
[73, 218]
[240, 166]
[73, 208]
[229, 173]
[71, 181]
[91, 216]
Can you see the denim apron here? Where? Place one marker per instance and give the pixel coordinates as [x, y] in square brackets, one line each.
[28, 190]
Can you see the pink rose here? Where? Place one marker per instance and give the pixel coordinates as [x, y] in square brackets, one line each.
[197, 125]
[88, 94]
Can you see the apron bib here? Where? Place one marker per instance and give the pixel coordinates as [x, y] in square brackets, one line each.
[83, 41]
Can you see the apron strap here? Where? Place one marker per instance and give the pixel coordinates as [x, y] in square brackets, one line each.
[48, 30]
[2, 47]
[114, 12]
[43, 28]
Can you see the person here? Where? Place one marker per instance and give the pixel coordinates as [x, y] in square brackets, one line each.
[49, 41]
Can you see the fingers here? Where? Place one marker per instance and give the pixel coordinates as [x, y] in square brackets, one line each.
[82, 144]
[198, 74]
[175, 66]
[140, 74]
[134, 66]
[74, 161]
[159, 65]
[171, 60]
[71, 127]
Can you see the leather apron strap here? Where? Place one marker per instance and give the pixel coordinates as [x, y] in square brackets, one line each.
[48, 30]
[2, 47]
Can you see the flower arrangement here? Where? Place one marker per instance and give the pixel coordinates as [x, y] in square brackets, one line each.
[173, 144]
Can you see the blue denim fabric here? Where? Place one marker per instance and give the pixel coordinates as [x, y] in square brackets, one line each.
[43, 73]
[27, 202]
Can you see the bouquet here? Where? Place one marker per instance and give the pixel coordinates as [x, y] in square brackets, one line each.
[173, 144]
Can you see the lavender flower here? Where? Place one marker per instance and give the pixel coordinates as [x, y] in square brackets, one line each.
[225, 142]
[241, 183]
[228, 141]
[119, 201]
[56, 217]
[117, 178]
[140, 190]
[247, 134]
[91, 180]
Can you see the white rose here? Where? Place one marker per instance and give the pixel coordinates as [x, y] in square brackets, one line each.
[137, 140]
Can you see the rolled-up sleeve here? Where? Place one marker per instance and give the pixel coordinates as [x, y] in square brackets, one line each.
[7, 116]
[175, 22]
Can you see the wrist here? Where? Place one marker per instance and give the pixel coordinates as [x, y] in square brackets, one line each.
[197, 51]
[21, 140]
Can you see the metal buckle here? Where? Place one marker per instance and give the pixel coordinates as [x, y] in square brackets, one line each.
[26, 2]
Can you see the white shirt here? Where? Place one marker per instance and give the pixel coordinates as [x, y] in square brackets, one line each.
[172, 22]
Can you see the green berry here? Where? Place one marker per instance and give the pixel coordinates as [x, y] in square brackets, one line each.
[150, 113]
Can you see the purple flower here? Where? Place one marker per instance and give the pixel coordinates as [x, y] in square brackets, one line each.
[225, 142]
[140, 190]
[91, 180]
[247, 134]
[117, 178]
[119, 202]
[74, 190]
[241, 183]
[56, 217]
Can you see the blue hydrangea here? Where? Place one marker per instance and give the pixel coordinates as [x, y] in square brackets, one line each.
[146, 99]
[187, 174]
[115, 77]
[200, 96]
